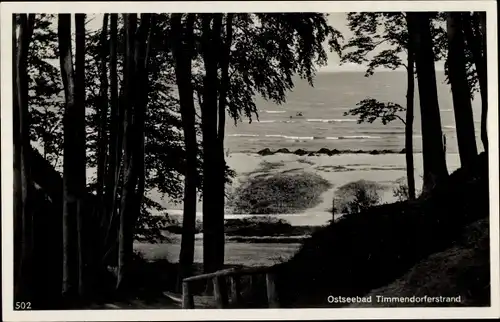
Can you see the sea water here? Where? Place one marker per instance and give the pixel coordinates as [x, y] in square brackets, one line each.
[313, 117]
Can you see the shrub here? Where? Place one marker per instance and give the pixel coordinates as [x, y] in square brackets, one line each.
[257, 226]
[356, 196]
[176, 227]
[400, 191]
[278, 193]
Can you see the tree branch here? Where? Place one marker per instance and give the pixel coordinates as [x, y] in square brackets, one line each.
[400, 118]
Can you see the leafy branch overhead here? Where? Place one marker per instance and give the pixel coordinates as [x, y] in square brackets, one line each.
[369, 110]
[371, 30]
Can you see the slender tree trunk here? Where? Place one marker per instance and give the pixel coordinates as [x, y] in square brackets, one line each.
[209, 111]
[410, 98]
[103, 111]
[484, 91]
[433, 153]
[80, 148]
[130, 180]
[103, 158]
[115, 136]
[71, 162]
[22, 148]
[18, 197]
[136, 95]
[142, 52]
[460, 89]
[182, 48]
[474, 37]
[224, 52]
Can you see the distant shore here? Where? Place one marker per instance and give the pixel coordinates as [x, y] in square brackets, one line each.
[325, 151]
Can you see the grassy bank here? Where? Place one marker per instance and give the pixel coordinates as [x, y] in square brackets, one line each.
[372, 249]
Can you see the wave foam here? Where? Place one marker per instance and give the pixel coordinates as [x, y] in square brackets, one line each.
[243, 135]
[289, 137]
[273, 112]
[357, 137]
[330, 120]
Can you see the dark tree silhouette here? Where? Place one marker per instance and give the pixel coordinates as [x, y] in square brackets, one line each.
[474, 31]
[182, 42]
[135, 98]
[125, 240]
[80, 149]
[213, 220]
[366, 39]
[23, 189]
[462, 105]
[102, 138]
[432, 146]
[72, 159]
[109, 217]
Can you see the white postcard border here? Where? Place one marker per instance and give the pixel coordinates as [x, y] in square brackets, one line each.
[242, 6]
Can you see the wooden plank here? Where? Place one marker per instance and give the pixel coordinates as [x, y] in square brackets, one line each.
[230, 272]
[187, 296]
[235, 290]
[220, 292]
[272, 294]
[208, 276]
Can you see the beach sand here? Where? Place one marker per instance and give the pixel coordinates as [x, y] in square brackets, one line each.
[340, 169]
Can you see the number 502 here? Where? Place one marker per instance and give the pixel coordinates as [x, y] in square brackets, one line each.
[22, 306]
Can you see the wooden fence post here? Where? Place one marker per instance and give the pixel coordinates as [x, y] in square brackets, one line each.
[272, 295]
[235, 290]
[187, 296]
[220, 292]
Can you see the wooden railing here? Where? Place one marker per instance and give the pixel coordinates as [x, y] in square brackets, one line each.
[220, 293]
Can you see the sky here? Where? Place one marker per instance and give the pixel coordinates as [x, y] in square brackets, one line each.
[337, 20]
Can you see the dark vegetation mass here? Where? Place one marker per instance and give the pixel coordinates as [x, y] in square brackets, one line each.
[372, 249]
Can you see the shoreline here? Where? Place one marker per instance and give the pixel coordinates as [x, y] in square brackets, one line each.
[338, 169]
[325, 151]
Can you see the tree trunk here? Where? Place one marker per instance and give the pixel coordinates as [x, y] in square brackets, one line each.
[466, 136]
[142, 52]
[18, 198]
[135, 98]
[103, 111]
[115, 139]
[484, 91]
[224, 52]
[79, 167]
[410, 98]
[182, 49]
[211, 218]
[474, 37]
[125, 242]
[71, 161]
[22, 158]
[432, 145]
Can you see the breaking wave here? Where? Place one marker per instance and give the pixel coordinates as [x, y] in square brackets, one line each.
[330, 120]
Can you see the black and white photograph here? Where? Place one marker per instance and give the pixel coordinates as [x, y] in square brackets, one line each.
[177, 159]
